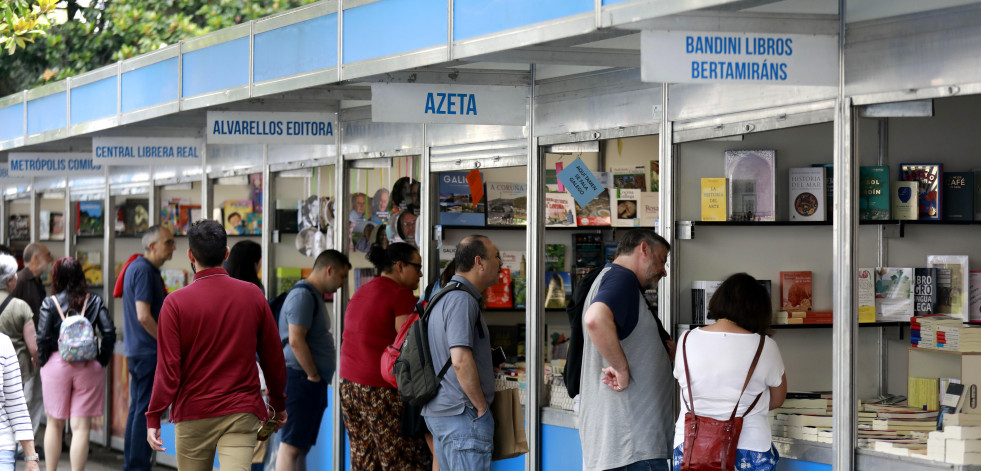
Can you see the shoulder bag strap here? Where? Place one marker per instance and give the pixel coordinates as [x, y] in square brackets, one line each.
[684, 355]
[454, 285]
[58, 307]
[5, 303]
[752, 368]
[85, 305]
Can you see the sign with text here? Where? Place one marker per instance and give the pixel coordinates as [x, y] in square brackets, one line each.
[240, 127]
[449, 104]
[39, 164]
[581, 183]
[145, 151]
[5, 175]
[765, 59]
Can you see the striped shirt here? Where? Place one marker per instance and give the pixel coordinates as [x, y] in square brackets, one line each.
[15, 420]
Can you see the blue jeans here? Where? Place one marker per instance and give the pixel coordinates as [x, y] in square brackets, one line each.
[645, 465]
[7, 460]
[136, 451]
[463, 442]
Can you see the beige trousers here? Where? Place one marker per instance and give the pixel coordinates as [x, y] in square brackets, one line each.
[233, 436]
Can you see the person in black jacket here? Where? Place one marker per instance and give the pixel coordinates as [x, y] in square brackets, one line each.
[73, 390]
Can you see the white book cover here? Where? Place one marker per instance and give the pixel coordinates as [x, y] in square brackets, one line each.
[974, 296]
[893, 294]
[807, 194]
[953, 301]
[511, 259]
[625, 207]
[44, 225]
[560, 210]
[751, 180]
[650, 209]
[905, 200]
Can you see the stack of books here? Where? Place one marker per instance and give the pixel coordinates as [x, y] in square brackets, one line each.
[957, 444]
[803, 317]
[923, 329]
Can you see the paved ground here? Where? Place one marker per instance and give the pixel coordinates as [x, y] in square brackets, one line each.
[100, 459]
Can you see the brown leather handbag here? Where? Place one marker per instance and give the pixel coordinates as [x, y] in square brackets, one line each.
[710, 444]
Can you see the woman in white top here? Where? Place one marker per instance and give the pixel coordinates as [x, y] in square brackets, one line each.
[719, 357]
[15, 420]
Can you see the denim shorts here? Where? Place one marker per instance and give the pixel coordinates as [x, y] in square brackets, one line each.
[305, 405]
[746, 460]
[463, 442]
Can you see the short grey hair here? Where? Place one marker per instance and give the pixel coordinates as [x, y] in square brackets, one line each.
[633, 238]
[150, 236]
[8, 269]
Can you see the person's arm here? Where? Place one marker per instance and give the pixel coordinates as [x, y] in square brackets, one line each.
[778, 393]
[107, 330]
[598, 321]
[145, 316]
[399, 322]
[45, 339]
[166, 379]
[28, 446]
[30, 338]
[466, 372]
[271, 361]
[301, 350]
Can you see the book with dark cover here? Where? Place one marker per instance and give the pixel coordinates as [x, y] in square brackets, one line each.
[88, 218]
[873, 192]
[829, 184]
[288, 216]
[520, 291]
[507, 204]
[456, 207]
[136, 216]
[751, 176]
[930, 178]
[924, 291]
[958, 196]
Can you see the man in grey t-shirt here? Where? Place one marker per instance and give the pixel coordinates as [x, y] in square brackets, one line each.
[626, 414]
[461, 409]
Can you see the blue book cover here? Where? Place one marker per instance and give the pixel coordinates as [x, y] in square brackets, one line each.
[456, 207]
[88, 218]
[873, 191]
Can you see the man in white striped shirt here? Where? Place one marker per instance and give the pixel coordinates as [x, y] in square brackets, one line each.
[15, 421]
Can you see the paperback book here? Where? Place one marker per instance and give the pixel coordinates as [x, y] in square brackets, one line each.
[555, 257]
[135, 216]
[929, 196]
[650, 209]
[958, 202]
[57, 225]
[953, 299]
[520, 292]
[596, 212]
[456, 205]
[751, 176]
[512, 260]
[807, 194]
[236, 216]
[174, 279]
[507, 204]
[829, 185]
[924, 291]
[629, 178]
[701, 294]
[905, 202]
[44, 225]
[558, 289]
[977, 194]
[91, 262]
[88, 218]
[713, 199]
[560, 210]
[873, 192]
[893, 294]
[19, 227]
[866, 295]
[974, 297]
[795, 290]
[625, 204]
[499, 295]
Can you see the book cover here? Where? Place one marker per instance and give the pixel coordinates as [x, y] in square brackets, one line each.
[587, 250]
[513, 261]
[609, 252]
[558, 289]
[286, 277]
[19, 227]
[655, 176]
[714, 199]
[625, 204]
[447, 253]
[873, 192]
[795, 290]
[88, 218]
[253, 223]
[136, 216]
[866, 295]
[456, 207]
[57, 226]
[977, 195]
[929, 195]
[702, 292]
[287, 216]
[629, 177]
[958, 191]
[596, 212]
[974, 297]
[189, 214]
[174, 279]
[829, 185]
[893, 294]
[507, 204]
[169, 214]
[91, 262]
[905, 202]
[650, 209]
[953, 299]
[560, 210]
[499, 295]
[807, 196]
[751, 176]
[44, 225]
[555, 257]
[924, 291]
[236, 216]
[520, 292]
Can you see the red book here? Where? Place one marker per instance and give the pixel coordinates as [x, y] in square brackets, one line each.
[795, 290]
[499, 295]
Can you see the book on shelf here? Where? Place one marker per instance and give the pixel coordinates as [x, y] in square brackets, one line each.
[555, 257]
[625, 204]
[905, 201]
[587, 250]
[893, 294]
[714, 199]
[89, 218]
[958, 201]
[507, 204]
[795, 290]
[974, 297]
[873, 192]
[807, 194]
[253, 223]
[829, 187]
[513, 260]
[866, 295]
[904, 424]
[952, 297]
[288, 216]
[235, 216]
[650, 208]
[57, 226]
[596, 212]
[929, 190]
[446, 255]
[924, 291]
[456, 205]
[135, 216]
[560, 210]
[558, 289]
[557, 337]
[91, 261]
[44, 225]
[174, 279]
[169, 213]
[701, 294]
[286, 277]
[188, 214]
[19, 227]
[609, 252]
[922, 393]
[803, 317]
[655, 167]
[499, 294]
[629, 177]
[520, 291]
[950, 400]
[751, 176]
[977, 194]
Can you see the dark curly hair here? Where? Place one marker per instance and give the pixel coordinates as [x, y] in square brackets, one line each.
[67, 275]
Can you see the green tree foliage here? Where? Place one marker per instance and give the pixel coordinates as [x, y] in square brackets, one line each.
[106, 31]
[22, 21]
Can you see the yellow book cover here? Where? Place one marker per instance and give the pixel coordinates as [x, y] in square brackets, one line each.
[713, 199]
[923, 393]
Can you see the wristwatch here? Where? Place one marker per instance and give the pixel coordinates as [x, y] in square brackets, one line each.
[33, 457]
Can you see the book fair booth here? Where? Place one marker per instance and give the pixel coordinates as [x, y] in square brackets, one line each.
[828, 149]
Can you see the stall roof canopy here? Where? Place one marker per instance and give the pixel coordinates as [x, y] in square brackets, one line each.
[320, 58]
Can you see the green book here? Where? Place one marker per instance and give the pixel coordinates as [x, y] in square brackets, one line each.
[873, 192]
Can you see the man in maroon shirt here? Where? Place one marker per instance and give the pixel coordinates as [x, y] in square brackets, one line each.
[208, 334]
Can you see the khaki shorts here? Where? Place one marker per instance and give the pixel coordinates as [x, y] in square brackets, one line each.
[233, 436]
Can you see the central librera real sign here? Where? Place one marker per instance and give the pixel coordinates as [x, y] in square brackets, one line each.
[40, 164]
[270, 127]
[449, 104]
[765, 59]
[144, 151]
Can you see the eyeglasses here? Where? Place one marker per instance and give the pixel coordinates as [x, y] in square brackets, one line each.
[417, 265]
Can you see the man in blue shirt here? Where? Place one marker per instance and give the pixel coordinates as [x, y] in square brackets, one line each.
[143, 296]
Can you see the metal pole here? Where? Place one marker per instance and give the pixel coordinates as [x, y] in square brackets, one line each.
[426, 243]
[668, 286]
[341, 296]
[534, 310]
[265, 235]
[35, 211]
[882, 344]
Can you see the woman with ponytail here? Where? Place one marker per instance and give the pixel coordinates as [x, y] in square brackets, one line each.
[371, 407]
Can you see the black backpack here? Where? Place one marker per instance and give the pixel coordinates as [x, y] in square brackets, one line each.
[276, 304]
[415, 373]
[573, 361]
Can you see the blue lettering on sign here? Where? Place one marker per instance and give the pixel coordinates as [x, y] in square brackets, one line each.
[726, 69]
[451, 103]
